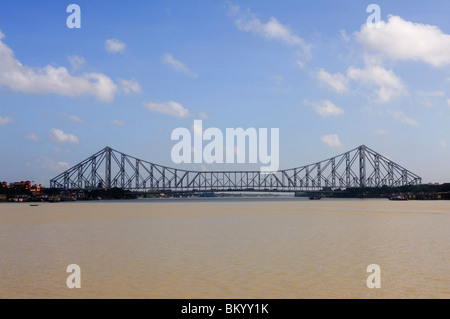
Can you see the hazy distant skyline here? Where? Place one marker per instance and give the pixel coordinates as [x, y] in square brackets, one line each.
[137, 70]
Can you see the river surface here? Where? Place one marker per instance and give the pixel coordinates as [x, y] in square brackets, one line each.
[226, 248]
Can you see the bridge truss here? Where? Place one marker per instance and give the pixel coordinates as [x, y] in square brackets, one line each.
[360, 167]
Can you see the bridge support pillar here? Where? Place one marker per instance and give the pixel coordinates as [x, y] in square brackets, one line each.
[107, 168]
[362, 166]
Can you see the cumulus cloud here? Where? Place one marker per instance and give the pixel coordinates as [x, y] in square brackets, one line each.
[331, 140]
[325, 108]
[337, 82]
[170, 108]
[130, 86]
[56, 135]
[404, 40]
[115, 46]
[178, 65]
[272, 29]
[6, 120]
[388, 85]
[374, 75]
[50, 79]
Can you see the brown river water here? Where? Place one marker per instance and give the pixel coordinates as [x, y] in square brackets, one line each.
[233, 248]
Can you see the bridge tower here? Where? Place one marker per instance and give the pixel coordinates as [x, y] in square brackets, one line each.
[108, 167]
[362, 166]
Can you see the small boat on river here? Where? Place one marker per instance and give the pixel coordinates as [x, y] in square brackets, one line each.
[398, 197]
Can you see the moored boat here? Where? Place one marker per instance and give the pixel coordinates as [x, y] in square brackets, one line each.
[398, 197]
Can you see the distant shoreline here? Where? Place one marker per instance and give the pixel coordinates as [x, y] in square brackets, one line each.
[408, 192]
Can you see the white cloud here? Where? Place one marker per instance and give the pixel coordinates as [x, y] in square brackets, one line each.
[170, 108]
[389, 85]
[344, 36]
[77, 119]
[337, 82]
[32, 137]
[300, 64]
[73, 118]
[76, 62]
[6, 120]
[56, 135]
[325, 108]
[130, 86]
[118, 123]
[405, 40]
[331, 140]
[443, 143]
[203, 115]
[52, 165]
[402, 117]
[448, 102]
[273, 29]
[115, 46]
[381, 132]
[50, 79]
[178, 65]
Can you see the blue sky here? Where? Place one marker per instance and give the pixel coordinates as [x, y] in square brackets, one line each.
[136, 70]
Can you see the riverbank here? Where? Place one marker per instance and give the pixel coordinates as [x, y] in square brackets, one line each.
[409, 192]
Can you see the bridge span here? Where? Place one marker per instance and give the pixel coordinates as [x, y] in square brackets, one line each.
[360, 167]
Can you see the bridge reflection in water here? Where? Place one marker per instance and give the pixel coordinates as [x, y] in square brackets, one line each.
[360, 167]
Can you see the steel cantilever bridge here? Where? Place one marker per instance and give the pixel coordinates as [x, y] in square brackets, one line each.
[360, 167]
